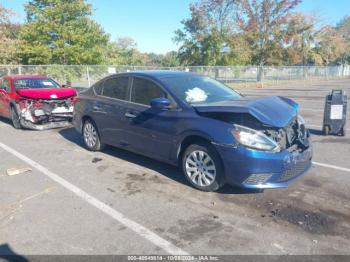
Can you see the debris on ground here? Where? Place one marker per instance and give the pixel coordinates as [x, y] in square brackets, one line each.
[96, 159]
[17, 171]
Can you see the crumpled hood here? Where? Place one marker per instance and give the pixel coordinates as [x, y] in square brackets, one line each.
[47, 93]
[273, 111]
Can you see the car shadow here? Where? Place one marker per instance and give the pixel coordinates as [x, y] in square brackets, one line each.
[164, 169]
[5, 120]
[7, 254]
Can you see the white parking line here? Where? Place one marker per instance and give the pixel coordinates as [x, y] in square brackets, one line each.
[331, 166]
[137, 228]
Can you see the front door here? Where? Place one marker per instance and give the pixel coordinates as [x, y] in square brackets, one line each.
[150, 131]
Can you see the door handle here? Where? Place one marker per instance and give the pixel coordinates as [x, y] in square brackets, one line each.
[97, 108]
[129, 115]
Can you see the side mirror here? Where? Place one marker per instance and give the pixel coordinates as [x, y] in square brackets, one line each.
[160, 103]
[65, 86]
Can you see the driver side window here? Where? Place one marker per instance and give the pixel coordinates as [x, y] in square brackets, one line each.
[6, 85]
[144, 91]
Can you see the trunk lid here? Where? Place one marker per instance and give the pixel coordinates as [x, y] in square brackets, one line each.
[47, 93]
[273, 111]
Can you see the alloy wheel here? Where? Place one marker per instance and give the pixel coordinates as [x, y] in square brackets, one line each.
[200, 168]
[90, 135]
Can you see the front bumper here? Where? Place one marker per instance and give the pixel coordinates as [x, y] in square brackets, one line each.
[254, 169]
[49, 125]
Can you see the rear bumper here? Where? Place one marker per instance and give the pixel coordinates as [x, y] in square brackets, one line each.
[262, 170]
[49, 125]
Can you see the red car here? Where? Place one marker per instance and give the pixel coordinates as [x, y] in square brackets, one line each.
[36, 102]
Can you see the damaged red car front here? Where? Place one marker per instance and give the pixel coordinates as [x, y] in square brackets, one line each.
[36, 102]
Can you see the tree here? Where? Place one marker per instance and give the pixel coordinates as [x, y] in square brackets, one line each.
[170, 59]
[330, 45]
[227, 32]
[264, 24]
[343, 27]
[124, 52]
[299, 41]
[9, 53]
[205, 36]
[62, 32]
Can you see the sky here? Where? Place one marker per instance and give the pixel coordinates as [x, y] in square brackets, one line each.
[151, 23]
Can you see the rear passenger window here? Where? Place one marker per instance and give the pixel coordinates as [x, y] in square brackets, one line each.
[116, 88]
[144, 91]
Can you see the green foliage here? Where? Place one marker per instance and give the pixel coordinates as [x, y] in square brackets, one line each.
[343, 28]
[205, 37]
[300, 39]
[124, 52]
[61, 32]
[331, 45]
[264, 26]
[260, 32]
[9, 41]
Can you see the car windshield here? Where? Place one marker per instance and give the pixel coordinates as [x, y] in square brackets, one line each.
[200, 90]
[27, 83]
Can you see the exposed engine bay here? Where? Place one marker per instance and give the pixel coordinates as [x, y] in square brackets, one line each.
[43, 113]
[292, 137]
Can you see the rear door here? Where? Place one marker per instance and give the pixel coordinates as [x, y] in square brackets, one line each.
[5, 97]
[108, 109]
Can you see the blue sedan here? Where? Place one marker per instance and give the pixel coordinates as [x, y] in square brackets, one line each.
[213, 133]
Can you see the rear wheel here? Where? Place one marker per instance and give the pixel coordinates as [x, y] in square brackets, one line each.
[15, 118]
[202, 167]
[91, 137]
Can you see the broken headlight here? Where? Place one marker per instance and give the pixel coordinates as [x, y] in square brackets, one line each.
[254, 139]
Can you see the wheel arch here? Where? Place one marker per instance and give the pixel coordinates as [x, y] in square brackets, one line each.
[187, 141]
[83, 119]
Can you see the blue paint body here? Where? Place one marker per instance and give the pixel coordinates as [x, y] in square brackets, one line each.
[161, 134]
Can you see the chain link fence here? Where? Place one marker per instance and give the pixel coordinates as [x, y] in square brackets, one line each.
[80, 76]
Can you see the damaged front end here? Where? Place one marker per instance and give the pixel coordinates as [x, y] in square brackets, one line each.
[41, 114]
[264, 156]
[292, 137]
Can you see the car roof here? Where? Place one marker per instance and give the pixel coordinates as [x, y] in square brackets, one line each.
[159, 73]
[15, 77]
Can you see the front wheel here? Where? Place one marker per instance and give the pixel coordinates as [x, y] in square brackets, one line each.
[91, 137]
[15, 118]
[202, 167]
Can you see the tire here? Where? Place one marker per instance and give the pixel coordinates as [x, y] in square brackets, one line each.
[91, 136]
[202, 167]
[15, 118]
[326, 130]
